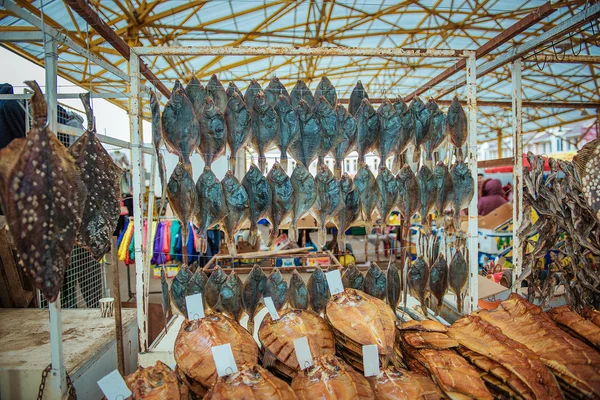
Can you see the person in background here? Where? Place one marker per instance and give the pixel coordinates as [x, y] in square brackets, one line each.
[492, 196]
[12, 117]
[480, 180]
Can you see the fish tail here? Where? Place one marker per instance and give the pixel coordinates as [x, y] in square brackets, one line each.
[368, 225]
[460, 154]
[322, 237]
[253, 235]
[273, 235]
[293, 232]
[262, 163]
[321, 160]
[341, 242]
[417, 155]
[337, 168]
[251, 325]
[459, 303]
[231, 246]
[232, 160]
[284, 161]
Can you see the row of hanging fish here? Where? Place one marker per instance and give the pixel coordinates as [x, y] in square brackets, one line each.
[54, 197]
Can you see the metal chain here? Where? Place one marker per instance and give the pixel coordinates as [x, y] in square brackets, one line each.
[70, 387]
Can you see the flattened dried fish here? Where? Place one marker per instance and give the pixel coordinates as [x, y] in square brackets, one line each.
[407, 127]
[213, 286]
[375, 282]
[259, 199]
[181, 129]
[358, 93]
[265, 127]
[389, 130]
[252, 294]
[394, 285]
[166, 297]
[304, 148]
[353, 278]
[276, 289]
[369, 194]
[289, 127]
[236, 202]
[444, 191]
[421, 131]
[457, 126]
[157, 141]
[408, 193]
[427, 195]
[251, 93]
[197, 283]
[329, 200]
[587, 163]
[179, 287]
[282, 199]
[183, 199]
[212, 132]
[238, 123]
[275, 89]
[305, 194]
[329, 128]
[388, 190]
[464, 186]
[350, 210]
[367, 123]
[347, 127]
[230, 297]
[318, 291]
[297, 292]
[231, 89]
[101, 178]
[211, 205]
[438, 281]
[325, 88]
[457, 278]
[301, 92]
[196, 93]
[215, 89]
[437, 129]
[418, 276]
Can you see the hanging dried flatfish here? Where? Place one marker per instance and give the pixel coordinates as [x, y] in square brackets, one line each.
[252, 294]
[457, 278]
[421, 131]
[367, 125]
[212, 132]
[301, 92]
[375, 282]
[358, 93]
[350, 210]
[586, 162]
[418, 276]
[179, 287]
[326, 89]
[347, 126]
[157, 141]
[464, 186]
[259, 199]
[438, 281]
[251, 93]
[444, 191]
[180, 125]
[212, 290]
[289, 127]
[389, 130]
[329, 200]
[231, 89]
[165, 295]
[353, 278]
[408, 194]
[265, 128]
[304, 148]
[276, 289]
[183, 199]
[197, 284]
[437, 129]
[388, 190]
[275, 89]
[236, 205]
[297, 292]
[427, 195]
[318, 291]
[282, 199]
[238, 123]
[250, 382]
[215, 89]
[211, 205]
[196, 93]
[369, 194]
[457, 126]
[101, 178]
[230, 297]
[407, 127]
[330, 133]
[305, 194]
[394, 286]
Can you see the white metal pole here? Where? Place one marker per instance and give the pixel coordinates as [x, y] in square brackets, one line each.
[473, 294]
[149, 242]
[517, 137]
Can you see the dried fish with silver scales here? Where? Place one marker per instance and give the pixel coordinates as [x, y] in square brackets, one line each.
[181, 192]
[388, 190]
[325, 88]
[282, 198]
[305, 195]
[265, 127]
[260, 199]
[464, 188]
[230, 297]
[212, 290]
[352, 278]
[375, 282]
[215, 89]
[457, 278]
[211, 206]
[252, 294]
[232, 89]
[157, 139]
[236, 202]
[330, 132]
[275, 89]
[421, 132]
[301, 92]
[304, 148]
[318, 291]
[297, 294]
[196, 93]
[369, 194]
[358, 93]
[238, 122]
[418, 277]
[367, 129]
[394, 285]
[349, 212]
[427, 196]
[251, 381]
[437, 129]
[289, 127]
[178, 289]
[457, 126]
[276, 288]
[347, 126]
[444, 192]
[407, 126]
[438, 281]
[212, 132]
[409, 201]
[389, 130]
[329, 201]
[251, 93]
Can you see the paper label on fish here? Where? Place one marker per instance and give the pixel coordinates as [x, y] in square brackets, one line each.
[195, 307]
[271, 308]
[303, 353]
[370, 359]
[224, 360]
[114, 387]
[334, 280]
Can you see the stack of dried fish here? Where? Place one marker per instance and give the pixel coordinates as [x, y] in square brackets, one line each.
[400, 384]
[250, 382]
[577, 326]
[157, 382]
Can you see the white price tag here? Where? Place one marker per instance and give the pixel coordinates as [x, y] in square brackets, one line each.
[195, 308]
[271, 308]
[114, 387]
[303, 354]
[334, 280]
[224, 361]
[370, 360]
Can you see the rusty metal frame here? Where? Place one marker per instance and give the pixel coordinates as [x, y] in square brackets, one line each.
[517, 137]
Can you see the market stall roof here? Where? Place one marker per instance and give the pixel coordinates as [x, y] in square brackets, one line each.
[439, 24]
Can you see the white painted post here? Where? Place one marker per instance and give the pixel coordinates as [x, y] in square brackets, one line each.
[149, 242]
[517, 137]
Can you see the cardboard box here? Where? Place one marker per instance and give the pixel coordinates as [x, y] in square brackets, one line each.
[496, 218]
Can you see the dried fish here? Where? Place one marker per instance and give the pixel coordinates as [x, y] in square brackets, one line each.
[367, 123]
[252, 294]
[464, 187]
[251, 93]
[183, 199]
[457, 126]
[215, 89]
[350, 210]
[353, 278]
[211, 205]
[369, 194]
[389, 130]
[326, 89]
[197, 283]
[230, 297]
[437, 129]
[318, 291]
[196, 93]
[375, 282]
[212, 132]
[165, 295]
[297, 292]
[212, 290]
[457, 278]
[236, 202]
[157, 141]
[289, 127]
[421, 132]
[394, 285]
[408, 194]
[388, 190]
[304, 148]
[181, 129]
[260, 198]
[282, 199]
[276, 289]
[330, 133]
[265, 127]
[418, 276]
[347, 127]
[231, 89]
[438, 281]
[407, 127]
[329, 200]
[275, 89]
[427, 195]
[301, 92]
[238, 123]
[179, 287]
[305, 195]
[358, 94]
[444, 191]
[587, 164]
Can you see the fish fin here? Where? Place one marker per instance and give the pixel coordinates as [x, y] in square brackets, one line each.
[322, 237]
[262, 163]
[231, 247]
[268, 358]
[341, 241]
[253, 235]
[417, 155]
[283, 161]
[337, 169]
[232, 160]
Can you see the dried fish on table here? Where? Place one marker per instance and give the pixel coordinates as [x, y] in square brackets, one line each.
[260, 198]
[231, 89]
[457, 126]
[265, 128]
[422, 120]
[215, 89]
[157, 142]
[464, 187]
[181, 191]
[179, 287]
[213, 286]
[400, 384]
[330, 133]
[389, 130]
[350, 210]
[352, 278]
[230, 297]
[347, 126]
[275, 89]
[238, 123]
[437, 129]
[304, 148]
[157, 382]
[301, 92]
[297, 292]
[367, 123]
[196, 93]
[212, 132]
[318, 291]
[305, 195]
[407, 127]
[576, 325]
[252, 294]
[276, 289]
[329, 201]
[409, 201]
[325, 88]
[289, 127]
[358, 94]
[251, 381]
[418, 277]
[236, 205]
[427, 195]
[369, 194]
[375, 282]
[438, 281]
[101, 177]
[211, 205]
[251, 93]
[282, 199]
[393, 288]
[457, 278]
[180, 125]
[444, 192]
[388, 190]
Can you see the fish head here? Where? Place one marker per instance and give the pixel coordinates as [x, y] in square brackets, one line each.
[346, 183]
[253, 175]
[461, 168]
[406, 173]
[303, 110]
[277, 174]
[553, 164]
[375, 270]
[300, 173]
[318, 274]
[184, 274]
[386, 109]
[209, 109]
[214, 81]
[432, 106]
[296, 279]
[283, 105]
[230, 182]
[207, 178]
[416, 105]
[260, 102]
[235, 102]
[365, 109]
[400, 105]
[424, 173]
[276, 276]
[176, 86]
[256, 273]
[440, 170]
[323, 173]
[177, 96]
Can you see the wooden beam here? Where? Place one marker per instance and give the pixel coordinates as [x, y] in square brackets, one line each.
[499, 162]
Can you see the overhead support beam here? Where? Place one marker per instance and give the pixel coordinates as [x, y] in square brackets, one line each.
[21, 36]
[531, 19]
[82, 8]
[589, 14]
[564, 59]
[508, 104]
[63, 96]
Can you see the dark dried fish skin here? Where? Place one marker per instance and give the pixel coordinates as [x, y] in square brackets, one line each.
[251, 93]
[347, 127]
[301, 92]
[215, 89]
[427, 194]
[276, 289]
[252, 293]
[394, 286]
[212, 132]
[367, 123]
[421, 131]
[418, 276]
[329, 200]
[212, 290]
[265, 128]
[157, 141]
[282, 199]
[388, 193]
[325, 88]
[407, 127]
[239, 124]
[438, 281]
[389, 130]
[408, 193]
[375, 282]
[179, 288]
[457, 278]
[304, 148]
[445, 191]
[327, 118]
[197, 284]
[353, 278]
[231, 89]
[211, 205]
[464, 187]
[196, 93]
[289, 127]
[181, 128]
[297, 292]
[305, 195]
[275, 89]
[358, 93]
[236, 202]
[457, 126]
[165, 294]
[349, 212]
[230, 296]
[181, 191]
[437, 129]
[318, 291]
[369, 194]
[259, 199]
